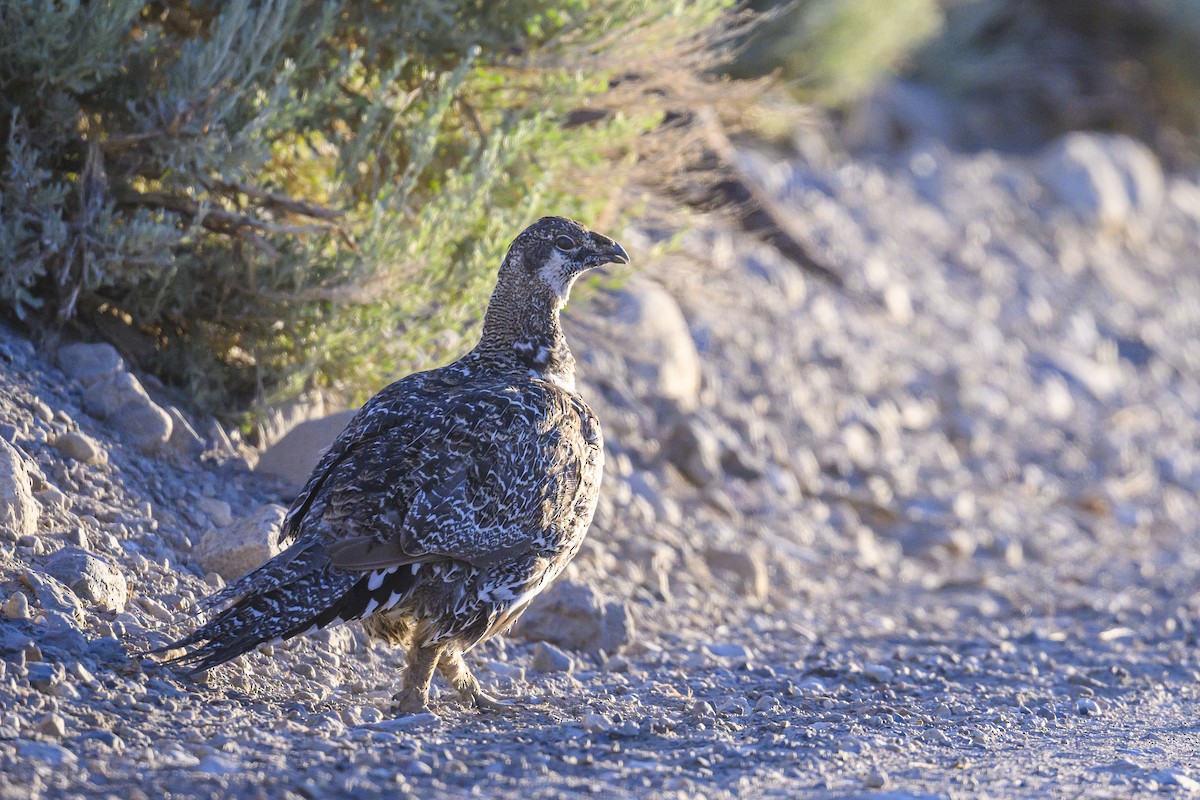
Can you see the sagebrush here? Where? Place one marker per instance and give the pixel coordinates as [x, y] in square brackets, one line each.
[256, 197]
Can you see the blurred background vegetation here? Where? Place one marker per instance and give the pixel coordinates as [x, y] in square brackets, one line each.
[1019, 71]
[256, 198]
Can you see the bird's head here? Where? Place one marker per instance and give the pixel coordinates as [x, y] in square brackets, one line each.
[554, 251]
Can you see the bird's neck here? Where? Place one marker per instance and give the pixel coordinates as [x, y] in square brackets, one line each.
[523, 335]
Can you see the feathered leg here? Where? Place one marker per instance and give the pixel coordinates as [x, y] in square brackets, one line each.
[454, 669]
[413, 698]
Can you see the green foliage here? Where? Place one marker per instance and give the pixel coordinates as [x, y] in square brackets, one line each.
[1048, 67]
[277, 194]
[832, 52]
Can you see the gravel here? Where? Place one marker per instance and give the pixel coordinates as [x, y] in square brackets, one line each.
[948, 548]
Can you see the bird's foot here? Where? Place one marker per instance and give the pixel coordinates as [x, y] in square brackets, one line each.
[411, 701]
[485, 702]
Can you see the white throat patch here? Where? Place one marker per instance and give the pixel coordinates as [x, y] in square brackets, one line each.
[559, 275]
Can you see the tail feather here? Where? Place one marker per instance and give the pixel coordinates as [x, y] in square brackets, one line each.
[286, 601]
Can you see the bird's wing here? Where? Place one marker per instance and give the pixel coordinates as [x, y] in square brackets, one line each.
[389, 414]
[478, 476]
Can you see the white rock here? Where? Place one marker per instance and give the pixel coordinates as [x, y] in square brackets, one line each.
[90, 577]
[17, 606]
[877, 673]
[122, 400]
[572, 616]
[747, 566]
[90, 363]
[80, 447]
[730, 650]
[235, 550]
[1174, 777]
[18, 510]
[548, 658]
[659, 349]
[46, 752]
[284, 418]
[1108, 180]
[217, 510]
[293, 457]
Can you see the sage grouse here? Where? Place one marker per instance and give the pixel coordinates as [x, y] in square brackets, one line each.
[450, 500]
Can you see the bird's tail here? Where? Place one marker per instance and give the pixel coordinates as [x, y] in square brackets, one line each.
[296, 592]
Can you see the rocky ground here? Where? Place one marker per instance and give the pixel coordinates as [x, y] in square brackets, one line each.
[930, 534]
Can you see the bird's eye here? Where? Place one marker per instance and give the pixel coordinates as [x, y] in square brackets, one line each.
[565, 243]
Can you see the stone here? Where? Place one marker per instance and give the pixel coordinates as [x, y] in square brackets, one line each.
[596, 723]
[52, 725]
[55, 597]
[876, 779]
[572, 616]
[745, 567]
[293, 457]
[548, 658]
[44, 676]
[90, 363]
[616, 627]
[730, 650]
[55, 755]
[217, 510]
[19, 512]
[91, 577]
[17, 606]
[123, 401]
[80, 447]
[647, 324]
[878, 673]
[284, 418]
[1179, 779]
[1110, 181]
[234, 550]
[52, 497]
[694, 449]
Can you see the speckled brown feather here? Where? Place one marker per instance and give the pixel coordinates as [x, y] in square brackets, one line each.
[454, 495]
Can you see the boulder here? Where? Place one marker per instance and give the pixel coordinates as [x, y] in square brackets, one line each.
[293, 457]
[18, 510]
[1111, 181]
[123, 401]
[90, 363]
[656, 344]
[235, 550]
[90, 577]
[744, 567]
[694, 449]
[574, 617]
[80, 447]
[548, 658]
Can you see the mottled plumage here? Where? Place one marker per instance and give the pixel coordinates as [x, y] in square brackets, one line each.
[451, 499]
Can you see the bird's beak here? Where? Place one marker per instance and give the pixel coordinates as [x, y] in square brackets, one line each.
[617, 254]
[606, 251]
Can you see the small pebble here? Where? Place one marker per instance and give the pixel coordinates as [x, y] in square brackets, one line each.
[76, 445]
[548, 658]
[52, 725]
[17, 606]
[877, 673]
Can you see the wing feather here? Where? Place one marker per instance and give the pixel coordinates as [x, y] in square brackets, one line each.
[480, 480]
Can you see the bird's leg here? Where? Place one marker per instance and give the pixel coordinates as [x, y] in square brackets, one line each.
[413, 698]
[454, 669]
